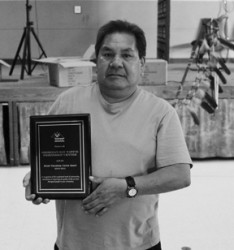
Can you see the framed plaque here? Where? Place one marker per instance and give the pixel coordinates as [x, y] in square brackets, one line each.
[60, 156]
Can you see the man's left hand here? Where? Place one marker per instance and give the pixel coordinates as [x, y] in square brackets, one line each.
[108, 192]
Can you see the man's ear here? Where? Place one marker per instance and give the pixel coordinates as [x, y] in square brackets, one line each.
[142, 61]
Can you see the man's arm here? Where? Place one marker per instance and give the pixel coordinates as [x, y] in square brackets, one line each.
[164, 180]
[110, 190]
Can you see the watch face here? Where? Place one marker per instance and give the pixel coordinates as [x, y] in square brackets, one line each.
[132, 192]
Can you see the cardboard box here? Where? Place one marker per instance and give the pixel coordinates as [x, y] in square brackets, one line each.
[68, 71]
[155, 72]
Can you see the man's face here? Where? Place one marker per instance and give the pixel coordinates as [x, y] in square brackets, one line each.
[119, 67]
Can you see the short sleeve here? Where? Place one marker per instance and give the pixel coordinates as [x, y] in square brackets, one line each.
[54, 107]
[60, 105]
[171, 146]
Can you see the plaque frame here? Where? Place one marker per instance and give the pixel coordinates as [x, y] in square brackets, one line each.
[60, 157]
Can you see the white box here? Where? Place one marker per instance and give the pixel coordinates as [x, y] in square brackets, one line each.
[155, 72]
[69, 71]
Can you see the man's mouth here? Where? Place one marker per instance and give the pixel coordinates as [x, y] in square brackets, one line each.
[115, 75]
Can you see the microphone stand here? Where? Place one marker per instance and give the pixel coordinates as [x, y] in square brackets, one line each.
[26, 60]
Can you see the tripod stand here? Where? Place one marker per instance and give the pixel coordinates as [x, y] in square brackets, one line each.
[26, 60]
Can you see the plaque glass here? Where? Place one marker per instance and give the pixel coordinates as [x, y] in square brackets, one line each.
[60, 153]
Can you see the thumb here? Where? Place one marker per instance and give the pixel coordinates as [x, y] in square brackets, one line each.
[26, 180]
[96, 180]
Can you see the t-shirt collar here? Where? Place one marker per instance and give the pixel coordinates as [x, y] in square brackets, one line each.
[116, 107]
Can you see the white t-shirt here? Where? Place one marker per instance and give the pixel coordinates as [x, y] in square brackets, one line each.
[133, 137]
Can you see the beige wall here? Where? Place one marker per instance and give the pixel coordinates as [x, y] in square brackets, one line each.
[63, 33]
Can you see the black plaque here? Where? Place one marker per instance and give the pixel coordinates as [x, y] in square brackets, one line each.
[60, 156]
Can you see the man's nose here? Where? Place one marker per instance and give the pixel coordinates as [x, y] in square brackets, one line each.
[116, 62]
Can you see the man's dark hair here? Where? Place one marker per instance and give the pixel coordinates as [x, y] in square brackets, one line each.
[122, 27]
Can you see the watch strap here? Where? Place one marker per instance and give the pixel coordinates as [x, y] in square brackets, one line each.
[130, 181]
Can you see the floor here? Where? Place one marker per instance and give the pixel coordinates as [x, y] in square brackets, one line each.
[199, 217]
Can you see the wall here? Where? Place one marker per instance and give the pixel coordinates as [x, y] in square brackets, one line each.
[63, 33]
[185, 21]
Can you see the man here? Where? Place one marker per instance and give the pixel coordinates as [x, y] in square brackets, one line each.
[138, 151]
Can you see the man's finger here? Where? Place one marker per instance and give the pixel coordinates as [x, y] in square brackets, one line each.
[46, 201]
[38, 201]
[101, 212]
[30, 197]
[92, 197]
[90, 202]
[26, 180]
[93, 209]
[96, 180]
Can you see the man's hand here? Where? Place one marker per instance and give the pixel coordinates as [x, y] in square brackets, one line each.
[28, 195]
[108, 192]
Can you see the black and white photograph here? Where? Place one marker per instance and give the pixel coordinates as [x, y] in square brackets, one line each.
[116, 124]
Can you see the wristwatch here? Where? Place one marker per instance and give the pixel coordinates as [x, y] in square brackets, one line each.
[131, 187]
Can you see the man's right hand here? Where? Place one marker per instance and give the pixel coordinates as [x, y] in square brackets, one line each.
[28, 195]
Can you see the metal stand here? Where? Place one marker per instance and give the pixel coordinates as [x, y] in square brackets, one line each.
[25, 39]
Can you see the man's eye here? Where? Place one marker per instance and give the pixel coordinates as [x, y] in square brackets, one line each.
[108, 55]
[127, 56]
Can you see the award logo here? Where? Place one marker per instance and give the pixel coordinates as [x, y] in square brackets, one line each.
[58, 137]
